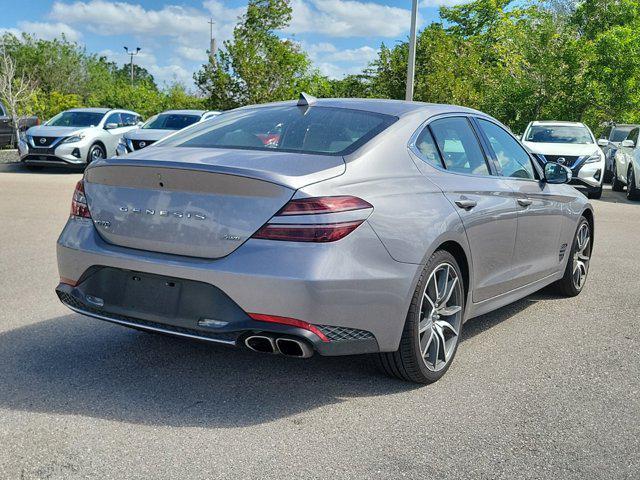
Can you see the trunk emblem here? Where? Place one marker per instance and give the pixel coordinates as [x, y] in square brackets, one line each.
[164, 213]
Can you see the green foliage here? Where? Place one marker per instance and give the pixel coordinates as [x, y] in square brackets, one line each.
[67, 76]
[258, 66]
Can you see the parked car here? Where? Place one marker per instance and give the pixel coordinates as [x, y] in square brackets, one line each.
[571, 144]
[613, 136]
[77, 137]
[626, 166]
[7, 128]
[370, 226]
[159, 126]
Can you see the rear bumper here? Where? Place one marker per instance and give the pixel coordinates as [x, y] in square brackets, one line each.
[351, 287]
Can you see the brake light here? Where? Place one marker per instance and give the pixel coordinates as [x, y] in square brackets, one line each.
[322, 205]
[79, 207]
[320, 232]
[289, 321]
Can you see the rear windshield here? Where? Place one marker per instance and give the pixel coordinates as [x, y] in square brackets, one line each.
[559, 134]
[321, 130]
[170, 121]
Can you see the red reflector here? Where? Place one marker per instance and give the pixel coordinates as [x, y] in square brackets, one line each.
[289, 321]
[322, 233]
[68, 281]
[79, 206]
[320, 205]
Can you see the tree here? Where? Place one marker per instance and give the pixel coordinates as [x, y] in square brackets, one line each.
[16, 89]
[258, 66]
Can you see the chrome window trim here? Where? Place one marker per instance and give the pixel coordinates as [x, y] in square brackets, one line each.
[468, 116]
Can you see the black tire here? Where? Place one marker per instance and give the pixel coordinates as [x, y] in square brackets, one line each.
[616, 185]
[632, 191]
[566, 286]
[407, 362]
[95, 152]
[595, 195]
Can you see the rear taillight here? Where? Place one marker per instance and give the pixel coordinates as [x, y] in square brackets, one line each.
[79, 206]
[321, 231]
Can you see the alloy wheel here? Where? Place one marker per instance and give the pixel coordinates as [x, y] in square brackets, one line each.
[96, 154]
[440, 317]
[581, 256]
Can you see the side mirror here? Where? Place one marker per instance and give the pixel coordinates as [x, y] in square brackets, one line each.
[603, 142]
[110, 126]
[628, 144]
[556, 173]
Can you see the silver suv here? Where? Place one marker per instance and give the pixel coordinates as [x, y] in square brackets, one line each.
[160, 126]
[77, 137]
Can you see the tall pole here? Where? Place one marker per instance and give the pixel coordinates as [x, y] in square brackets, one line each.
[213, 45]
[131, 55]
[411, 63]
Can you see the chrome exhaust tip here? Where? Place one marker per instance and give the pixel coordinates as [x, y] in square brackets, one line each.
[293, 348]
[261, 344]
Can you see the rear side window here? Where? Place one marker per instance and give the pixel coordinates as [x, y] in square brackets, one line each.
[114, 118]
[459, 146]
[321, 130]
[513, 159]
[426, 145]
[634, 135]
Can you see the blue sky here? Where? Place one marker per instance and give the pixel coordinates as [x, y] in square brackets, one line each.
[341, 36]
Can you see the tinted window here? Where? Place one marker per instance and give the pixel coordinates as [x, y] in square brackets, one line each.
[559, 134]
[620, 133]
[324, 130]
[459, 146]
[426, 145]
[129, 119]
[171, 121]
[114, 118]
[634, 135]
[76, 119]
[513, 159]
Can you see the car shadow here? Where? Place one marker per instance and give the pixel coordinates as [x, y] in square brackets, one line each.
[17, 167]
[609, 196]
[80, 366]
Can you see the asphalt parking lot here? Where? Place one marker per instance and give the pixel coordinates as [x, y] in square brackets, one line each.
[545, 388]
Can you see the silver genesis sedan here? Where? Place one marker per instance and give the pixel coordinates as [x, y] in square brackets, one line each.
[337, 227]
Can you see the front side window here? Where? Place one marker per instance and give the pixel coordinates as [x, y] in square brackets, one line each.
[620, 134]
[559, 134]
[459, 146]
[513, 159]
[129, 119]
[114, 118]
[76, 119]
[634, 135]
[321, 130]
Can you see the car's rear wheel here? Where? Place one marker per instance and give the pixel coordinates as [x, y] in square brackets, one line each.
[433, 325]
[616, 185]
[632, 190]
[96, 152]
[575, 274]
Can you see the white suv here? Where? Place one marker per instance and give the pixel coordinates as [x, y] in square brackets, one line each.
[571, 144]
[626, 166]
[77, 137]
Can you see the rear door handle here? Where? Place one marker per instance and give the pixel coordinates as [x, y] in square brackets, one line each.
[525, 202]
[466, 204]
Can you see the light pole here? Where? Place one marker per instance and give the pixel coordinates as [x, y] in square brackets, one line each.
[411, 63]
[132, 54]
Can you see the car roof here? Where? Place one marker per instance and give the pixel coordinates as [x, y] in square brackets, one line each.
[100, 110]
[397, 108]
[557, 123]
[184, 112]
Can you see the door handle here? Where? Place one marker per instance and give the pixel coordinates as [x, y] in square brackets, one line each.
[525, 202]
[466, 204]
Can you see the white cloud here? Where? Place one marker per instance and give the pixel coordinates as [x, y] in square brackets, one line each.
[348, 18]
[49, 31]
[193, 54]
[336, 63]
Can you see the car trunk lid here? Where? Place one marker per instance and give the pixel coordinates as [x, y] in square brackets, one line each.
[204, 205]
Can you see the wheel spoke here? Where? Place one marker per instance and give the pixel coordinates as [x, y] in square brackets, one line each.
[442, 324]
[450, 291]
[449, 311]
[425, 324]
[427, 344]
[436, 342]
[426, 295]
[441, 341]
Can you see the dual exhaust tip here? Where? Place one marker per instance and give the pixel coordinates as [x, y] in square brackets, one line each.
[288, 347]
